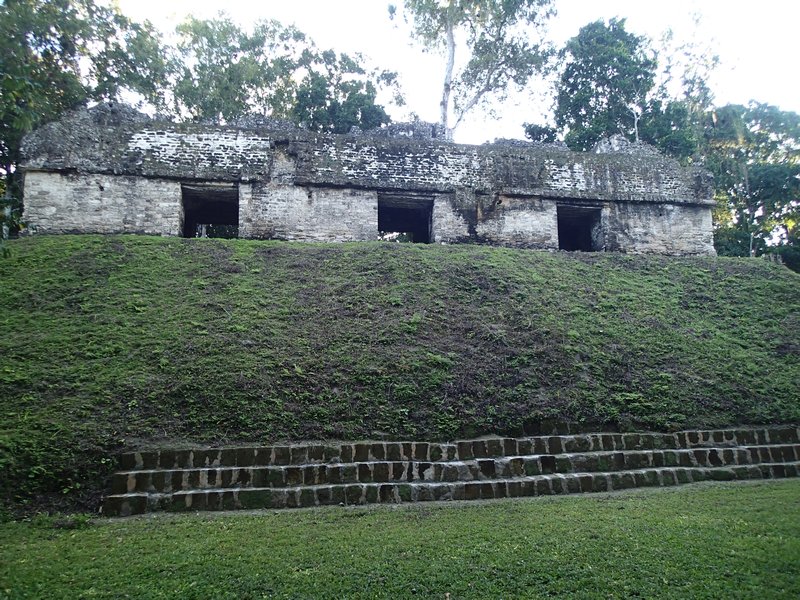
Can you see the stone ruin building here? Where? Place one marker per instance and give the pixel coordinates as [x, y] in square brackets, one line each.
[110, 169]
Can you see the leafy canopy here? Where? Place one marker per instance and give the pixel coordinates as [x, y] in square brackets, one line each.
[608, 86]
[340, 94]
[604, 86]
[754, 153]
[224, 72]
[501, 43]
[58, 54]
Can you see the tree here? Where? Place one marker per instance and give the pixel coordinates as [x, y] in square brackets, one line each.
[543, 134]
[754, 153]
[669, 125]
[608, 86]
[224, 72]
[605, 83]
[341, 95]
[497, 37]
[675, 119]
[59, 54]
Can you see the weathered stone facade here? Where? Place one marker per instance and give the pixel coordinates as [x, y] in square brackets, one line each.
[110, 169]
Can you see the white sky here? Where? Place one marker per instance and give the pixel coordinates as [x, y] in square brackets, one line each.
[756, 42]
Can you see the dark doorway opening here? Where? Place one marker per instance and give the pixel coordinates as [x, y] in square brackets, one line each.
[405, 218]
[579, 228]
[210, 211]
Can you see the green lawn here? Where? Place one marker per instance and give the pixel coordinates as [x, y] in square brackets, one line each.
[699, 541]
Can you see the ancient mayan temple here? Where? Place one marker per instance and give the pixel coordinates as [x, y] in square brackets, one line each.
[110, 169]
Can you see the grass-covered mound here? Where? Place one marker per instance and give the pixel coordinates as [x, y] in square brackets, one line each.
[113, 342]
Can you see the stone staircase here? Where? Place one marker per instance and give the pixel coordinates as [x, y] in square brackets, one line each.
[316, 474]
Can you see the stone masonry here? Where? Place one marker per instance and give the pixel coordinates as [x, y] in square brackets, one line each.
[110, 169]
[365, 472]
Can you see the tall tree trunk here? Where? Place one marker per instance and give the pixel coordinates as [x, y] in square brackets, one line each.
[448, 76]
[751, 212]
[6, 202]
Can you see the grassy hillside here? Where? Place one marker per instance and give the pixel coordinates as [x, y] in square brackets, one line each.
[114, 342]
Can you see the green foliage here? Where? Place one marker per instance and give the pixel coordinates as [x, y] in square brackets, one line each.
[733, 241]
[540, 133]
[605, 83]
[340, 98]
[250, 341]
[9, 219]
[754, 153]
[500, 41]
[789, 251]
[668, 125]
[701, 541]
[56, 55]
[608, 87]
[224, 73]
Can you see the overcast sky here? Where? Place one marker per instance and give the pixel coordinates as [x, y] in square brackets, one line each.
[756, 42]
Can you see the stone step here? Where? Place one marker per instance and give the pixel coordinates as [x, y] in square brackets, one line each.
[395, 492]
[321, 453]
[509, 467]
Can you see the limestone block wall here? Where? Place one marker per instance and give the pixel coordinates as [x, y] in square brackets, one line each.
[543, 172]
[70, 202]
[222, 154]
[96, 141]
[391, 164]
[76, 203]
[120, 141]
[448, 223]
[110, 169]
[291, 212]
[520, 222]
[616, 177]
[659, 228]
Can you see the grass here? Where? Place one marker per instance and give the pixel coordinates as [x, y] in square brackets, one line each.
[699, 541]
[115, 342]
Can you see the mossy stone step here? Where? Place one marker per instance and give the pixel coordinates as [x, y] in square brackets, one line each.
[396, 492]
[169, 480]
[312, 453]
[312, 474]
